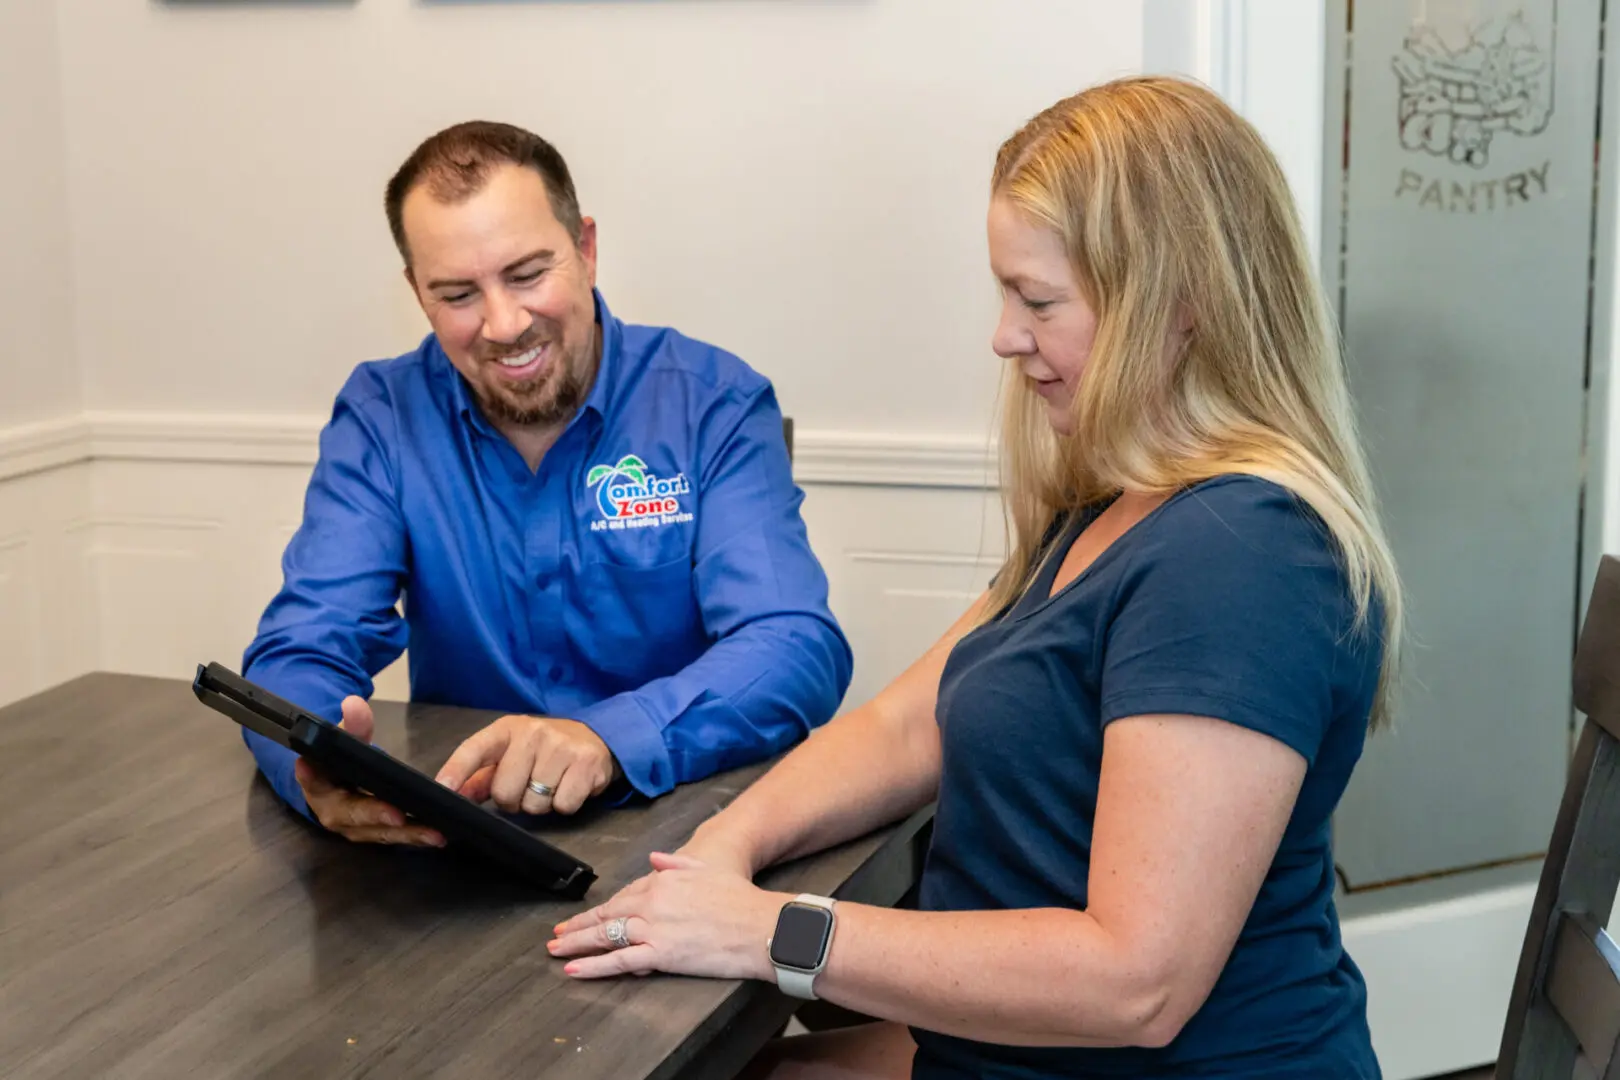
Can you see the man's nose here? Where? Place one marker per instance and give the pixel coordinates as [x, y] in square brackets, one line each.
[505, 320]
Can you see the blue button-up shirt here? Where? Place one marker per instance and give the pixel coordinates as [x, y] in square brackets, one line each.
[653, 579]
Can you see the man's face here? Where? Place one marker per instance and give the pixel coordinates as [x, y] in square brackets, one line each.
[508, 293]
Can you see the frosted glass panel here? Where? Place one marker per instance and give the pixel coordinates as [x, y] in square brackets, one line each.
[1467, 237]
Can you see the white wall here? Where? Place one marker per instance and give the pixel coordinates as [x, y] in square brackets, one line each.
[43, 638]
[1273, 49]
[800, 182]
[1265, 56]
[804, 186]
[38, 373]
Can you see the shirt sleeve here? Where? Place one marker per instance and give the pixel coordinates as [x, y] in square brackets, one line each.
[334, 624]
[1236, 608]
[779, 663]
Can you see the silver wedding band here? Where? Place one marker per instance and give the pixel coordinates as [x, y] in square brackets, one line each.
[541, 789]
[617, 935]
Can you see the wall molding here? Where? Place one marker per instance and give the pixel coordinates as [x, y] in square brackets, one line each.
[1220, 44]
[47, 444]
[820, 457]
[939, 461]
[204, 438]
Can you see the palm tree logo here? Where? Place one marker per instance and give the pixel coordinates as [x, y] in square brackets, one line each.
[630, 467]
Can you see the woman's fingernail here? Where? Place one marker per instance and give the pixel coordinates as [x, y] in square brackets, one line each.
[571, 969]
[558, 929]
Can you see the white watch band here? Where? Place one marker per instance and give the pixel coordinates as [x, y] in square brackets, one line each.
[797, 984]
[801, 984]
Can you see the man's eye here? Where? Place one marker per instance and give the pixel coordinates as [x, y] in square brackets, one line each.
[455, 298]
[525, 279]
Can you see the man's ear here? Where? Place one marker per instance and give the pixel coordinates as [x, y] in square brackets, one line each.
[587, 247]
[410, 279]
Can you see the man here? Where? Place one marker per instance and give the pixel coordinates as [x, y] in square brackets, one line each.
[594, 525]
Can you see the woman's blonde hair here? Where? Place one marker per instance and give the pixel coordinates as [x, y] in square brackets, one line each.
[1170, 205]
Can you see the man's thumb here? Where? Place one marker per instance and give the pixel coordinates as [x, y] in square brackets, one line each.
[357, 719]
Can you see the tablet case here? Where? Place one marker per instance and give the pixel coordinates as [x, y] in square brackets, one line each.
[361, 766]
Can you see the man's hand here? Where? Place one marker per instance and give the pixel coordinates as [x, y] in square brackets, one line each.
[358, 817]
[500, 761]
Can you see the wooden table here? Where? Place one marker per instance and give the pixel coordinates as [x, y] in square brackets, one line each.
[162, 914]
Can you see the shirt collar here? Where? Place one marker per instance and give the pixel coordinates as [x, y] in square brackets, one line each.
[599, 402]
[605, 388]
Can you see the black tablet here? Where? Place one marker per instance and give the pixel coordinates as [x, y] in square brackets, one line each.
[363, 767]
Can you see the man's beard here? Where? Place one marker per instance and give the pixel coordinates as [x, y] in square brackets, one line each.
[550, 398]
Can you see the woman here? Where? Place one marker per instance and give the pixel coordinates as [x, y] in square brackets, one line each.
[1138, 735]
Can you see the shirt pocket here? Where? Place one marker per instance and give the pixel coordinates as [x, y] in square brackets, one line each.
[641, 622]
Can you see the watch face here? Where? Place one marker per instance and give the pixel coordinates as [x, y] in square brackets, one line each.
[801, 936]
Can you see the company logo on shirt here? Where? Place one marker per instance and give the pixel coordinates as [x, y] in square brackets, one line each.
[630, 497]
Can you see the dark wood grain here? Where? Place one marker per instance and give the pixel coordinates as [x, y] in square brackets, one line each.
[1582, 868]
[162, 914]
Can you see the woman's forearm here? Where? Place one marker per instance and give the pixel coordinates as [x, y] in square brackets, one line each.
[861, 771]
[867, 768]
[1031, 977]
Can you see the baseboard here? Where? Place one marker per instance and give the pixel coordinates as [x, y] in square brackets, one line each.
[1438, 978]
[820, 457]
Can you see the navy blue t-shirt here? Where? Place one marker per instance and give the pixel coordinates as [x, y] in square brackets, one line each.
[1227, 601]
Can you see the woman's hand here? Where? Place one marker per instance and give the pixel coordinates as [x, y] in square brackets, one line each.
[717, 853]
[685, 918]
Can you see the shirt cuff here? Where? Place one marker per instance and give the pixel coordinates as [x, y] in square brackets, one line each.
[276, 763]
[635, 741]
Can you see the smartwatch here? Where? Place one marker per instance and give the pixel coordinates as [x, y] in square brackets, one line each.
[799, 948]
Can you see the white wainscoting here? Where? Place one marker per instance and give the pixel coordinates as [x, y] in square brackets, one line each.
[144, 543]
[48, 603]
[175, 527]
[186, 555]
[903, 564]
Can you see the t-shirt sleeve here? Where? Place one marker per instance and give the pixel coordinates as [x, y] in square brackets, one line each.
[1234, 607]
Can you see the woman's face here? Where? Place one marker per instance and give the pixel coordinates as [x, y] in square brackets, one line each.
[1046, 326]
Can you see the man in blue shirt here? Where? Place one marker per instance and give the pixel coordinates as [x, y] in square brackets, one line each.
[594, 525]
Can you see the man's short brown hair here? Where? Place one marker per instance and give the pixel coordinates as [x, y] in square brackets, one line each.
[456, 163]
